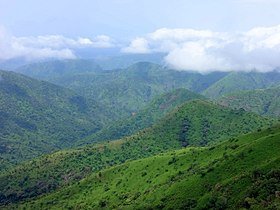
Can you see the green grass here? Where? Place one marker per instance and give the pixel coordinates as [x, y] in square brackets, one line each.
[239, 173]
[194, 123]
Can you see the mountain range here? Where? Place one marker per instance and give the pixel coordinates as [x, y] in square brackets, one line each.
[195, 123]
[81, 134]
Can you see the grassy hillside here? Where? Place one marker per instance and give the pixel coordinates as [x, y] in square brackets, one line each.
[154, 111]
[38, 117]
[194, 123]
[261, 101]
[127, 90]
[243, 172]
[239, 81]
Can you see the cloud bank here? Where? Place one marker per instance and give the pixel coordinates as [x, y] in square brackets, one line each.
[205, 51]
[48, 46]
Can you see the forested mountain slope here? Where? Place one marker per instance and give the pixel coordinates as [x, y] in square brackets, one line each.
[240, 81]
[242, 172]
[194, 123]
[146, 117]
[129, 90]
[265, 102]
[38, 117]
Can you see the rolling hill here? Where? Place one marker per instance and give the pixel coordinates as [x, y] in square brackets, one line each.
[264, 102]
[195, 123]
[146, 117]
[38, 117]
[129, 90]
[240, 81]
[240, 173]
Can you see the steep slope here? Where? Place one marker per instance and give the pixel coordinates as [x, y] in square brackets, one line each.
[194, 123]
[154, 111]
[239, 81]
[243, 172]
[128, 90]
[58, 68]
[38, 117]
[261, 101]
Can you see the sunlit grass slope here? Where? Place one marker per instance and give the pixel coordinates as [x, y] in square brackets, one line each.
[242, 172]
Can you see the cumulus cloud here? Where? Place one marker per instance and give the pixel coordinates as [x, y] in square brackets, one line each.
[48, 46]
[138, 45]
[103, 41]
[205, 50]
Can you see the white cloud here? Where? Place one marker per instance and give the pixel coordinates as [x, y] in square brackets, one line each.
[48, 46]
[103, 41]
[204, 50]
[138, 45]
[85, 41]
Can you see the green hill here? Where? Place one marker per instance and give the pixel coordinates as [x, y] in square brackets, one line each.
[194, 123]
[240, 81]
[146, 117]
[240, 173]
[261, 101]
[38, 117]
[129, 90]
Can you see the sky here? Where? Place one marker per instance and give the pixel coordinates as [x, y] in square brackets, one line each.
[202, 35]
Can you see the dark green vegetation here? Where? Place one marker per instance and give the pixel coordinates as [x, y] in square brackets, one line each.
[239, 81]
[242, 172]
[146, 117]
[194, 123]
[149, 166]
[129, 90]
[265, 102]
[38, 117]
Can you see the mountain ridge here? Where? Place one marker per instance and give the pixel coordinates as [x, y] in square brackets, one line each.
[192, 124]
[237, 173]
[265, 102]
